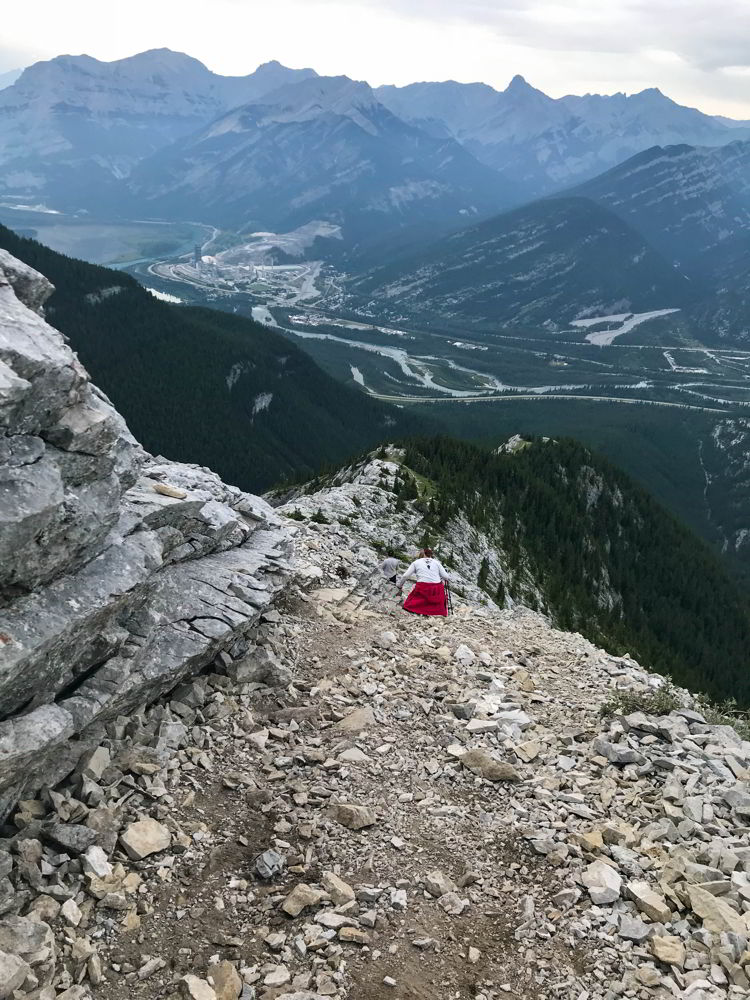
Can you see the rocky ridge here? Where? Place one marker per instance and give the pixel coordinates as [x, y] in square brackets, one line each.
[422, 808]
[121, 573]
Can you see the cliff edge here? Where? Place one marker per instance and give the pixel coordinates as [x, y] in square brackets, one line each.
[120, 573]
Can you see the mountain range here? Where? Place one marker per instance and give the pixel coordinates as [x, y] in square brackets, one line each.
[160, 135]
[543, 144]
[324, 148]
[72, 126]
[670, 227]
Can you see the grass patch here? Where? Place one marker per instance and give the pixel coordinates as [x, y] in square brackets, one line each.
[653, 701]
[667, 698]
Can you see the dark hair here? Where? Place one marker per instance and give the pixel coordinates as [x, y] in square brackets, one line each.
[427, 552]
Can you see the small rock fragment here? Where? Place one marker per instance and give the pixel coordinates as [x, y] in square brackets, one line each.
[13, 973]
[169, 491]
[300, 898]
[194, 988]
[481, 763]
[339, 890]
[437, 884]
[352, 816]
[354, 722]
[269, 864]
[72, 912]
[603, 882]
[652, 903]
[354, 935]
[226, 981]
[278, 976]
[669, 949]
[145, 837]
[452, 903]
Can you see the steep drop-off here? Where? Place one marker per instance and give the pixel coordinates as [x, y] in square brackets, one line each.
[200, 385]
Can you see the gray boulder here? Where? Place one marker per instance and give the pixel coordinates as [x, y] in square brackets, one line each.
[616, 753]
[120, 574]
[66, 456]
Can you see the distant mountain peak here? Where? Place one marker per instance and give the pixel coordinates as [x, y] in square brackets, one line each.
[162, 51]
[315, 95]
[519, 83]
[519, 88]
[163, 59]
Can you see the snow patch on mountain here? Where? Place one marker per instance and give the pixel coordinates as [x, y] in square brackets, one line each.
[262, 401]
[164, 296]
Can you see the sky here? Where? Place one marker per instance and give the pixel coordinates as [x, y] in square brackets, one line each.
[696, 51]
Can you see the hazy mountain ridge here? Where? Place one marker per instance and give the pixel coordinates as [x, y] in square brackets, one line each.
[689, 207]
[323, 148]
[145, 134]
[703, 223]
[72, 126]
[543, 143]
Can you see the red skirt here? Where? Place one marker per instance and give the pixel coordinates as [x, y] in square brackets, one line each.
[427, 599]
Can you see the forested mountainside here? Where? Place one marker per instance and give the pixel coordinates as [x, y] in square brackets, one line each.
[667, 228]
[693, 205]
[547, 262]
[200, 385]
[691, 202]
[552, 525]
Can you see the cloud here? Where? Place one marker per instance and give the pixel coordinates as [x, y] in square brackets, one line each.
[708, 34]
[17, 58]
[694, 50]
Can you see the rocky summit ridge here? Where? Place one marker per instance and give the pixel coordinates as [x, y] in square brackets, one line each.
[120, 572]
[321, 798]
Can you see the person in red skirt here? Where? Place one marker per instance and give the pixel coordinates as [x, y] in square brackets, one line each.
[428, 595]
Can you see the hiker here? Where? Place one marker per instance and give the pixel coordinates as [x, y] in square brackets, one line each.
[390, 567]
[428, 595]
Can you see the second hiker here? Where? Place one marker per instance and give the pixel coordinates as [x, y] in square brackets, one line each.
[390, 567]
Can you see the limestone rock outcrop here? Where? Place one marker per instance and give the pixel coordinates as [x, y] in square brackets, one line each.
[120, 574]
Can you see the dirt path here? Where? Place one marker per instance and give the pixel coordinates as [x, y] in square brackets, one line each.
[236, 800]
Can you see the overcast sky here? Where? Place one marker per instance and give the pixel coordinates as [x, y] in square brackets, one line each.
[696, 51]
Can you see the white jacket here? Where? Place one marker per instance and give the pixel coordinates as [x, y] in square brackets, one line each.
[425, 570]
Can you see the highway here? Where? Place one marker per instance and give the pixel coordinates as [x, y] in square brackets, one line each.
[548, 395]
